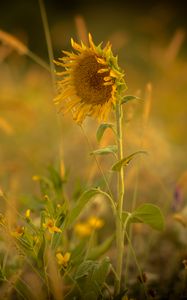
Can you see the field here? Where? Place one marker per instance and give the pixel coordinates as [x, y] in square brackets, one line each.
[94, 209]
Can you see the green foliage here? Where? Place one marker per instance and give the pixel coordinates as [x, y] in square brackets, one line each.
[99, 250]
[129, 98]
[125, 161]
[147, 213]
[106, 150]
[91, 276]
[81, 203]
[101, 130]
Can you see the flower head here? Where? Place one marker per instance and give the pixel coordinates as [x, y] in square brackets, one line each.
[18, 232]
[95, 223]
[63, 259]
[90, 81]
[82, 229]
[51, 226]
[27, 214]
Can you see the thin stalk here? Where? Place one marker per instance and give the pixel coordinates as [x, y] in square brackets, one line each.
[130, 230]
[38, 60]
[97, 162]
[48, 41]
[121, 191]
[137, 264]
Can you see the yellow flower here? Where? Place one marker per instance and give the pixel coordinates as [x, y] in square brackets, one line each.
[51, 227]
[82, 229]
[95, 223]
[35, 177]
[27, 213]
[18, 232]
[63, 259]
[90, 81]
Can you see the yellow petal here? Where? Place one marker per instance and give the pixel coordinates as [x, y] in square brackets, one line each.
[102, 71]
[107, 78]
[101, 61]
[108, 83]
[62, 73]
[92, 45]
[76, 46]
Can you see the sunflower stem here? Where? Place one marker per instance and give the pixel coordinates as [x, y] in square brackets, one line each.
[121, 190]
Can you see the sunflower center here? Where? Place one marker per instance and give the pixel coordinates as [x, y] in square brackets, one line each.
[89, 83]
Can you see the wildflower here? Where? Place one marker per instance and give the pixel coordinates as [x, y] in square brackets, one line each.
[63, 259]
[18, 232]
[27, 214]
[51, 227]
[90, 81]
[35, 177]
[85, 228]
[95, 223]
[82, 229]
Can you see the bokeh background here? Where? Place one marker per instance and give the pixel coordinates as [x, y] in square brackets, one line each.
[150, 40]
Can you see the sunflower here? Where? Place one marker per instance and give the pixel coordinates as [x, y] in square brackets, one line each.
[90, 82]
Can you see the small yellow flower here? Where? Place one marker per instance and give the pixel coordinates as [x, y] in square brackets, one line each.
[27, 213]
[95, 223]
[35, 177]
[82, 229]
[63, 259]
[90, 82]
[51, 227]
[18, 232]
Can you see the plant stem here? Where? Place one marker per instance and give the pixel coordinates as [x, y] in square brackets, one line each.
[48, 41]
[121, 190]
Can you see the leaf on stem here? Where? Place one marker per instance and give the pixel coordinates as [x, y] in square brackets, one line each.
[101, 130]
[146, 213]
[129, 98]
[106, 150]
[81, 203]
[125, 161]
[99, 250]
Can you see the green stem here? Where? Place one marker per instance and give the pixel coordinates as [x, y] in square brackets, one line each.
[121, 190]
[134, 200]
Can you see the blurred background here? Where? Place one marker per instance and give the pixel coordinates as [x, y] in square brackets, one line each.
[149, 38]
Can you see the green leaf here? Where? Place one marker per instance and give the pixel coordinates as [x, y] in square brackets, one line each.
[125, 161]
[91, 276]
[85, 269]
[101, 130]
[101, 272]
[55, 178]
[146, 213]
[129, 98]
[151, 215]
[77, 254]
[41, 250]
[106, 150]
[81, 203]
[99, 250]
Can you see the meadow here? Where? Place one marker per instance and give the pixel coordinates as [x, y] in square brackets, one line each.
[63, 234]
